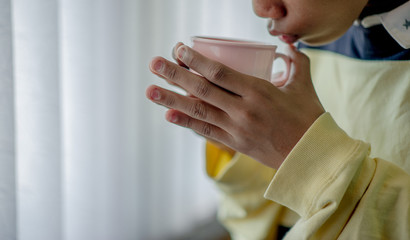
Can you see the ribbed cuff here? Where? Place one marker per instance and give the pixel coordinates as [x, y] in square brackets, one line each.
[318, 170]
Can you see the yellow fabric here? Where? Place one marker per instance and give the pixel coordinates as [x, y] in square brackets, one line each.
[336, 186]
[370, 100]
[328, 184]
[217, 159]
[243, 210]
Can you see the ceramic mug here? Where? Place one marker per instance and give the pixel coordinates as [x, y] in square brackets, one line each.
[248, 57]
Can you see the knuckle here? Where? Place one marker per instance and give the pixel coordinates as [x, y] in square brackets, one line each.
[206, 129]
[202, 89]
[188, 123]
[198, 110]
[172, 73]
[217, 72]
[170, 101]
[249, 116]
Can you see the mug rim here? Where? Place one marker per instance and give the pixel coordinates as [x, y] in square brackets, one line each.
[233, 42]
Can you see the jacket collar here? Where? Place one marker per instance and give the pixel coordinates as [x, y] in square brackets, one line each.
[396, 22]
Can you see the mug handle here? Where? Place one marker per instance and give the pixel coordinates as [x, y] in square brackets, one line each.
[280, 80]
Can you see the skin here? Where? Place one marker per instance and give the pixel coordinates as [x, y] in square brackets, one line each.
[313, 22]
[245, 113]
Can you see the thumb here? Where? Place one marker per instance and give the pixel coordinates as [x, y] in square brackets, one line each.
[300, 70]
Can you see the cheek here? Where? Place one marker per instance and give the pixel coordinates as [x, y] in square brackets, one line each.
[323, 30]
[302, 20]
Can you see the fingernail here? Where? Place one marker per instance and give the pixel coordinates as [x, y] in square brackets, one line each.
[269, 24]
[155, 95]
[181, 52]
[158, 66]
[174, 118]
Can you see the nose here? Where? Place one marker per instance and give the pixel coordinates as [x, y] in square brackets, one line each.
[269, 8]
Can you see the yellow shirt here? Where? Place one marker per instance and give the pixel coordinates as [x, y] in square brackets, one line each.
[331, 186]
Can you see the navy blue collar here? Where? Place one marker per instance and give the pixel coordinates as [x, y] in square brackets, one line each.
[371, 38]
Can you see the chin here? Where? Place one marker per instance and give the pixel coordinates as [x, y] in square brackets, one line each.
[315, 43]
[320, 40]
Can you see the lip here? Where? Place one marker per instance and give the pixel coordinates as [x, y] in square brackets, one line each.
[289, 39]
[285, 37]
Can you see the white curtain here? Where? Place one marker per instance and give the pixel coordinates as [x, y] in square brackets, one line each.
[83, 154]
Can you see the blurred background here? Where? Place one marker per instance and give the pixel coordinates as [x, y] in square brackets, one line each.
[83, 153]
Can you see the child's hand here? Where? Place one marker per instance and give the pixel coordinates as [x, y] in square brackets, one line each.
[246, 113]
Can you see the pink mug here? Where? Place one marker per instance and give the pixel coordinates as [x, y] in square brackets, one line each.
[248, 57]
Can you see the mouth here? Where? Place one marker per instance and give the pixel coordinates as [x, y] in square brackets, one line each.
[289, 39]
[284, 37]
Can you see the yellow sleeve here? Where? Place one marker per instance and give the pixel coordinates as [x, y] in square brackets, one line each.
[339, 191]
[242, 208]
[216, 159]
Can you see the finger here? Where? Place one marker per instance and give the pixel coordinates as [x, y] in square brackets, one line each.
[204, 129]
[174, 55]
[194, 84]
[193, 107]
[215, 72]
[300, 69]
[159, 75]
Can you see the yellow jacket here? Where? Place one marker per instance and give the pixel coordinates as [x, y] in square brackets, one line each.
[331, 186]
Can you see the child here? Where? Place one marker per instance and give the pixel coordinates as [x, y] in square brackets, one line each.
[294, 167]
